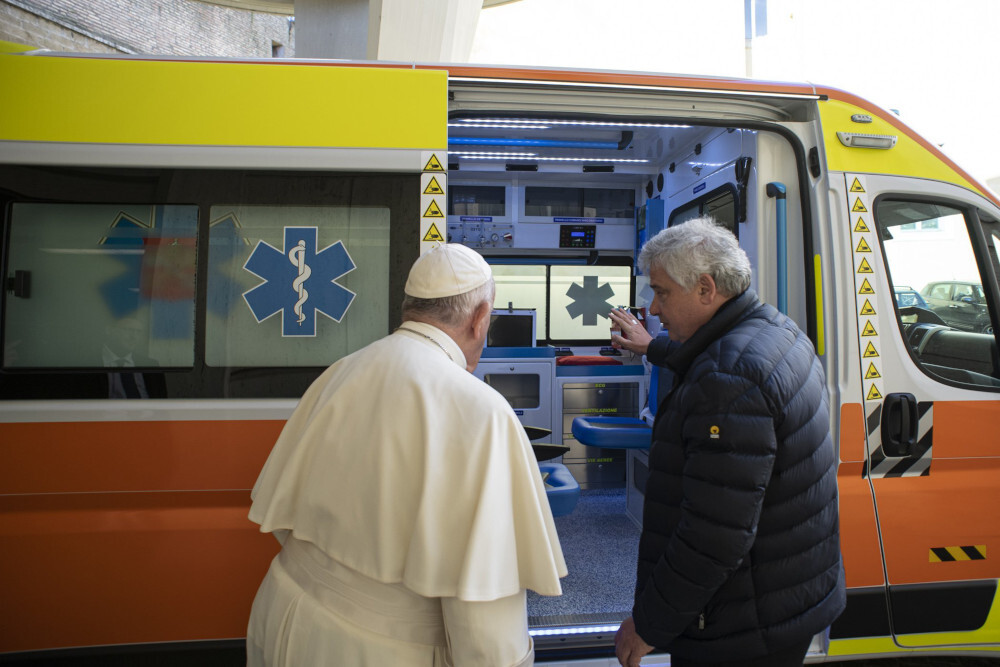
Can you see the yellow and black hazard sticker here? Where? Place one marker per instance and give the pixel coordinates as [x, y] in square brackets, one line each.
[954, 554]
[433, 199]
[433, 234]
[862, 242]
[433, 210]
[866, 296]
[433, 187]
[433, 163]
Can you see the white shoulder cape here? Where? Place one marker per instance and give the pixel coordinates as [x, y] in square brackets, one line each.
[404, 466]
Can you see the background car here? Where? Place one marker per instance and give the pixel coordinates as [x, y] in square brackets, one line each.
[960, 304]
[907, 296]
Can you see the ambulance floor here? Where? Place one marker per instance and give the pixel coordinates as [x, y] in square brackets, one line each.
[600, 544]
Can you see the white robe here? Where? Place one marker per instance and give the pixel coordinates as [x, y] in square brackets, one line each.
[402, 482]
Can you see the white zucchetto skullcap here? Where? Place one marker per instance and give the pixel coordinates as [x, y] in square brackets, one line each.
[447, 270]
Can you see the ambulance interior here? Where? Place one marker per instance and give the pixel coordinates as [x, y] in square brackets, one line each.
[559, 207]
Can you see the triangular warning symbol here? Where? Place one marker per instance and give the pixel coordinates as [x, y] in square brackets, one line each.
[861, 226]
[433, 211]
[870, 351]
[872, 373]
[856, 186]
[433, 187]
[864, 267]
[863, 246]
[434, 164]
[873, 394]
[433, 234]
[866, 288]
[867, 308]
[869, 330]
[858, 206]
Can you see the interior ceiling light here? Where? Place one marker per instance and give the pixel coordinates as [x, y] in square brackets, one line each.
[500, 126]
[532, 158]
[490, 154]
[461, 122]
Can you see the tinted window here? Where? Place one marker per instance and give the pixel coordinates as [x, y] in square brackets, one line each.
[579, 202]
[108, 285]
[720, 204]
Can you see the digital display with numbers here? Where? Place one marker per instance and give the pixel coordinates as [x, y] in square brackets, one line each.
[577, 236]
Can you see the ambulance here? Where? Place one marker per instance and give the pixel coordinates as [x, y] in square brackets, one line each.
[188, 243]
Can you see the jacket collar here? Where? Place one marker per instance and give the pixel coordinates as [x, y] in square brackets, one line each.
[725, 318]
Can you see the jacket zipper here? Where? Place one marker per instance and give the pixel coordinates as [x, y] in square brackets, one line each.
[701, 621]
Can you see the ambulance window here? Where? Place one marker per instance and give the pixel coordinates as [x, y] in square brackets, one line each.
[580, 298]
[942, 310]
[992, 229]
[259, 312]
[720, 204]
[477, 200]
[99, 285]
[579, 202]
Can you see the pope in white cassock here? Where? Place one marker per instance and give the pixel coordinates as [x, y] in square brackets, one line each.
[407, 499]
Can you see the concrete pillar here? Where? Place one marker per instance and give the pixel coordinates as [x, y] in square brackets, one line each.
[399, 30]
[334, 29]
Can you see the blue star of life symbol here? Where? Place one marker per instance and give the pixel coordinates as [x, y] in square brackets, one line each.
[299, 281]
[589, 300]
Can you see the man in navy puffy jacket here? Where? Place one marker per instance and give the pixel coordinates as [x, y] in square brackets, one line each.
[739, 559]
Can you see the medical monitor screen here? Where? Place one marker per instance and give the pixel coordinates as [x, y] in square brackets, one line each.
[511, 329]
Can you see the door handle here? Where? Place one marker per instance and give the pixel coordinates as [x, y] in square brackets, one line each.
[899, 424]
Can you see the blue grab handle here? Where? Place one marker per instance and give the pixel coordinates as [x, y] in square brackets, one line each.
[612, 432]
[777, 190]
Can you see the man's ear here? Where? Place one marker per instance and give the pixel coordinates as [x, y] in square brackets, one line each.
[707, 290]
[481, 318]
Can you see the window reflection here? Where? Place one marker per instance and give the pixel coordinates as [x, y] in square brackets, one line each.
[101, 277]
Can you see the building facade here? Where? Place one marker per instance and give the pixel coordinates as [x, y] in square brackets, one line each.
[162, 27]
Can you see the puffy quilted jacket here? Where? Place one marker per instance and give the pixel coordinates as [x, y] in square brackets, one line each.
[740, 549]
